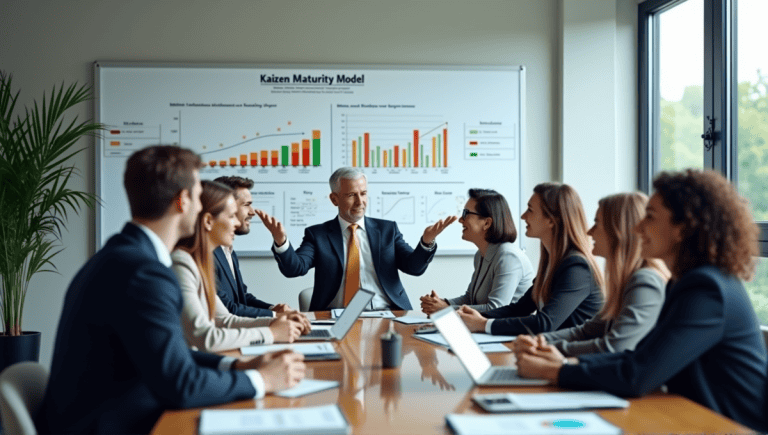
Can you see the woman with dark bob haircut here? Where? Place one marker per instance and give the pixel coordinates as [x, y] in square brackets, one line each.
[503, 272]
[707, 344]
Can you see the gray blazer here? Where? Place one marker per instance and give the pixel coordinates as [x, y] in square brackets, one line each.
[501, 278]
[643, 298]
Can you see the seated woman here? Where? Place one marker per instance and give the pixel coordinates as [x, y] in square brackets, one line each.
[707, 344]
[567, 290]
[634, 286]
[207, 324]
[502, 271]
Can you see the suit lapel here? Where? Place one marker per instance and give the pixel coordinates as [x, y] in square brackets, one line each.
[336, 240]
[224, 264]
[374, 238]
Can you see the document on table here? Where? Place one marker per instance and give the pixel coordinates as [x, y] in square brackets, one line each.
[383, 314]
[307, 386]
[531, 424]
[306, 349]
[409, 320]
[532, 402]
[320, 420]
[479, 337]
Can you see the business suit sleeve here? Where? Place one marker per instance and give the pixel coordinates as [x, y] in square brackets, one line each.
[225, 331]
[149, 329]
[571, 284]
[240, 309]
[643, 298]
[254, 302]
[686, 331]
[506, 273]
[523, 307]
[409, 260]
[293, 263]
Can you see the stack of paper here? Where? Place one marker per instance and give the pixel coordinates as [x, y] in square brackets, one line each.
[320, 420]
[383, 314]
[531, 424]
[527, 402]
[479, 337]
[311, 351]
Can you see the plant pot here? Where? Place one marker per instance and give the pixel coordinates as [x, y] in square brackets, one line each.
[25, 347]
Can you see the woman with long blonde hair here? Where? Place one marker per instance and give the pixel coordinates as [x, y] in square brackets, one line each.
[206, 322]
[634, 285]
[567, 290]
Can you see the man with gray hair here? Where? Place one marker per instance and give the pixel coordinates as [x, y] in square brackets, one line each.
[352, 251]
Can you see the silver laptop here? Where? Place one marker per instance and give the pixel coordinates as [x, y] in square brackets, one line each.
[472, 358]
[345, 321]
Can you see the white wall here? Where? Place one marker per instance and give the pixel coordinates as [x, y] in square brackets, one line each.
[46, 42]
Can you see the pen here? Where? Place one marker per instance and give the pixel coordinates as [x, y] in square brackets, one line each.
[531, 334]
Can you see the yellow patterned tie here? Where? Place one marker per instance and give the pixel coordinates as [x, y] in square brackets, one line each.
[352, 278]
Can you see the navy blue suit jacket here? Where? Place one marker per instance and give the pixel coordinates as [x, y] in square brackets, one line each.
[232, 290]
[574, 299]
[322, 248]
[120, 358]
[706, 346]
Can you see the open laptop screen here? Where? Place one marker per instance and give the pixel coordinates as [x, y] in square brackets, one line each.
[462, 344]
[350, 314]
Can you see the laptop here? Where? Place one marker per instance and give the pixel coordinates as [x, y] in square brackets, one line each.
[472, 358]
[345, 321]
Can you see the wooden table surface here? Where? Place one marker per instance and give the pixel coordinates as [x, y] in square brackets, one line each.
[431, 383]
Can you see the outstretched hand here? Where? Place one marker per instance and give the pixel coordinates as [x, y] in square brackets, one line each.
[433, 230]
[273, 226]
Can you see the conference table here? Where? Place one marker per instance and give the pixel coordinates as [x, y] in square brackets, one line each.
[430, 384]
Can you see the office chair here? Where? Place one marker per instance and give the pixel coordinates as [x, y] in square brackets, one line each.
[305, 297]
[22, 387]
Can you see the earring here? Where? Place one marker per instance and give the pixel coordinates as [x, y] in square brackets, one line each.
[178, 204]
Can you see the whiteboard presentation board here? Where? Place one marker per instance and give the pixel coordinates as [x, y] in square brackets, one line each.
[424, 135]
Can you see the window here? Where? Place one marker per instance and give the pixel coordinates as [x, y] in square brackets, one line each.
[704, 71]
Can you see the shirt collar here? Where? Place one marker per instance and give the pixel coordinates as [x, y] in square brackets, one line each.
[228, 249]
[344, 224]
[160, 249]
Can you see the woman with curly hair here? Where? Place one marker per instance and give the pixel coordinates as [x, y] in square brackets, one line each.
[707, 344]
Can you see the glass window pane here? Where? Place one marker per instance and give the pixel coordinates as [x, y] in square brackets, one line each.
[757, 289]
[681, 85]
[753, 105]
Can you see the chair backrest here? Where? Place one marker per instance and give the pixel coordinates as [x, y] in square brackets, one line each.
[305, 297]
[22, 387]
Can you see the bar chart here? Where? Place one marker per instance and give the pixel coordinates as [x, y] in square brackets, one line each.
[296, 152]
[395, 141]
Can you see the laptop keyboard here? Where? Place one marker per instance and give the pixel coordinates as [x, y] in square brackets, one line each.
[319, 333]
[502, 375]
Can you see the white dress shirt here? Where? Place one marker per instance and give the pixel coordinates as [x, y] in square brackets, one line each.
[226, 363]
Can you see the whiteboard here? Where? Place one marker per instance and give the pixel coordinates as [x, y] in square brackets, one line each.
[424, 135]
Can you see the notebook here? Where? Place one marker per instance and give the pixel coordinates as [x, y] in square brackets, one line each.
[344, 322]
[530, 402]
[472, 357]
[587, 423]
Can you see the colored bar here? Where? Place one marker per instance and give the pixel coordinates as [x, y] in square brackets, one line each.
[354, 153]
[233, 161]
[264, 157]
[445, 147]
[114, 143]
[274, 157]
[367, 149]
[243, 159]
[212, 163]
[439, 151]
[427, 161]
[378, 156]
[415, 148]
[385, 158]
[295, 154]
[404, 158]
[409, 155]
[285, 155]
[254, 159]
[223, 163]
[421, 150]
[434, 151]
[315, 147]
[305, 152]
[397, 156]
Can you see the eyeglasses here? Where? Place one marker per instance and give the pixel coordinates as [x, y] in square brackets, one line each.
[465, 212]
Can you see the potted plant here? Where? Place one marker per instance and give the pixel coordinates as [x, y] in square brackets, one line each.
[35, 170]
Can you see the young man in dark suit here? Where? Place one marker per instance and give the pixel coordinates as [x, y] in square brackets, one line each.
[352, 251]
[120, 357]
[230, 286]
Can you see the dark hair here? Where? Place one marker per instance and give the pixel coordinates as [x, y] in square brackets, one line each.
[718, 228]
[155, 176]
[214, 199]
[492, 204]
[235, 182]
